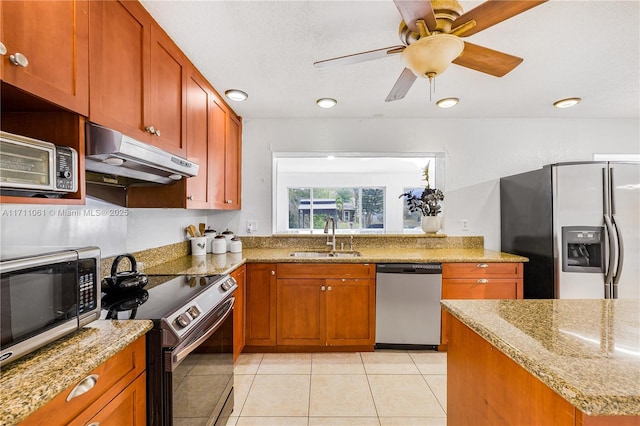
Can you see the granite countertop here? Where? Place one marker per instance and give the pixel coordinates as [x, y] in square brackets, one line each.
[224, 263]
[587, 351]
[30, 382]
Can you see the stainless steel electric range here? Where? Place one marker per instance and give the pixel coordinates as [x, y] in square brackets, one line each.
[189, 349]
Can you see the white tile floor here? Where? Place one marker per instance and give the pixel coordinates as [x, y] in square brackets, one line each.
[367, 388]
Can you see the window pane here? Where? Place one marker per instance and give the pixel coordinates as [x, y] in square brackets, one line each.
[373, 208]
[299, 208]
[411, 220]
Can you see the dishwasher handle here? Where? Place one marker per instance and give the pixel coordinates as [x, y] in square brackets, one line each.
[409, 268]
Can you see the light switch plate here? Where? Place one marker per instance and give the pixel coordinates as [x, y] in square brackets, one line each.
[252, 226]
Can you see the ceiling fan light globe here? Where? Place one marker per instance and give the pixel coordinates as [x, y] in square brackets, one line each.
[432, 55]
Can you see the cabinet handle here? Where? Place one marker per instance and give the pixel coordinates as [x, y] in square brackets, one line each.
[344, 279]
[482, 281]
[94, 424]
[150, 129]
[19, 60]
[322, 288]
[190, 197]
[228, 201]
[3, 49]
[273, 272]
[329, 288]
[157, 132]
[83, 387]
[482, 265]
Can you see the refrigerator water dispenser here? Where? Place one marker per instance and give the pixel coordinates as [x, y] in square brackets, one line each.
[583, 249]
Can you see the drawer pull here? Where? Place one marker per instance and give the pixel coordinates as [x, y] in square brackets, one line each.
[482, 281]
[273, 272]
[83, 387]
[482, 265]
[94, 424]
[19, 60]
[322, 288]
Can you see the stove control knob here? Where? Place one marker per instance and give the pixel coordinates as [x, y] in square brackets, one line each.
[194, 311]
[183, 320]
[226, 285]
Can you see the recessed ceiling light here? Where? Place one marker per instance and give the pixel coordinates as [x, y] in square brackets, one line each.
[566, 103]
[326, 102]
[236, 95]
[448, 102]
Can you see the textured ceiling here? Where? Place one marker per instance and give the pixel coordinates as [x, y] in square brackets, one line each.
[589, 49]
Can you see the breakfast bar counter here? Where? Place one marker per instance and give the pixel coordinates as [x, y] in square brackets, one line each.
[576, 360]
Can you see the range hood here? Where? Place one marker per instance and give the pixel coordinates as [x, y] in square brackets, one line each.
[111, 153]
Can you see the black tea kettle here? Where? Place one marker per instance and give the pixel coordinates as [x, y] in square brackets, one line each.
[124, 280]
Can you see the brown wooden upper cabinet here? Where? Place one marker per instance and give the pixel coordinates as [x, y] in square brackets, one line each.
[46, 49]
[138, 76]
[225, 158]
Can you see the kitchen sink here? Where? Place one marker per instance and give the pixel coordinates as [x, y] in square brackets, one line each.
[325, 254]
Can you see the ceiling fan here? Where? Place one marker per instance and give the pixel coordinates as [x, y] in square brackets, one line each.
[430, 33]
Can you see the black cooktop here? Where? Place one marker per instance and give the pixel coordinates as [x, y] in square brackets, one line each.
[163, 295]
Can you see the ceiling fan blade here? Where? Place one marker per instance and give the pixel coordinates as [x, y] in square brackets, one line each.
[486, 60]
[493, 12]
[412, 10]
[359, 57]
[402, 86]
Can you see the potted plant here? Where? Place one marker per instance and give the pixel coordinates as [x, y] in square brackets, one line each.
[427, 203]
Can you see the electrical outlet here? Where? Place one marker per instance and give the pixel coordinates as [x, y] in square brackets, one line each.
[465, 224]
[252, 226]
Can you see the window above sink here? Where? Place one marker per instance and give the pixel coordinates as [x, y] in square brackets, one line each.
[361, 191]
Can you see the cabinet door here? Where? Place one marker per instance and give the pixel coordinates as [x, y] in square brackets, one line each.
[238, 311]
[129, 407]
[53, 37]
[301, 312]
[260, 328]
[225, 157]
[118, 57]
[217, 142]
[198, 94]
[233, 163]
[167, 108]
[350, 312]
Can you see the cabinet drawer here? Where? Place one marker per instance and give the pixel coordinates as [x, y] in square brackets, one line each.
[326, 270]
[112, 377]
[482, 270]
[481, 288]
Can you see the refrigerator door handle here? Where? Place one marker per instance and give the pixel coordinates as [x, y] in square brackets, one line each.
[620, 247]
[612, 245]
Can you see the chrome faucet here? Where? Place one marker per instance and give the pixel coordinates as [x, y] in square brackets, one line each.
[333, 232]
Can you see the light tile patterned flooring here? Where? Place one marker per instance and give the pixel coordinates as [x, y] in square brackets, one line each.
[381, 388]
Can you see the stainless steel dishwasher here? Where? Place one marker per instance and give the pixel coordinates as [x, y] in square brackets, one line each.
[408, 305]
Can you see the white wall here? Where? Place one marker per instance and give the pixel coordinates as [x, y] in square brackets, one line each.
[478, 152]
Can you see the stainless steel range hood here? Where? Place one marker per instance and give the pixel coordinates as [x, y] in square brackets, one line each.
[112, 153]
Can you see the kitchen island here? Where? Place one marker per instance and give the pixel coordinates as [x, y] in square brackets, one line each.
[543, 362]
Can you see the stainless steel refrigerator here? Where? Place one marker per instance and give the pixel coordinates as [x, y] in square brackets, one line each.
[579, 224]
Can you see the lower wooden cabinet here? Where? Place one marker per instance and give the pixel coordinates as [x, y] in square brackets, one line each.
[238, 311]
[116, 394]
[260, 304]
[479, 281]
[296, 306]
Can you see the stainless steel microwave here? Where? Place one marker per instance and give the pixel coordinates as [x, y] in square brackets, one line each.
[45, 297]
[30, 167]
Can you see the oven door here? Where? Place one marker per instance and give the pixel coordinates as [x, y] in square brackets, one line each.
[198, 378]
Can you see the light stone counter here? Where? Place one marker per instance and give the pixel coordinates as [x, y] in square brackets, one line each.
[587, 351]
[30, 382]
[211, 264]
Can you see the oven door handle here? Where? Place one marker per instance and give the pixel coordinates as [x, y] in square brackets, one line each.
[182, 353]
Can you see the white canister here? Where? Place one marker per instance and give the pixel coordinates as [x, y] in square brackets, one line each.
[235, 246]
[210, 234]
[228, 235]
[198, 246]
[219, 245]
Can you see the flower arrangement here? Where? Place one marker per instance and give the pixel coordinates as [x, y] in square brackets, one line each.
[428, 203]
